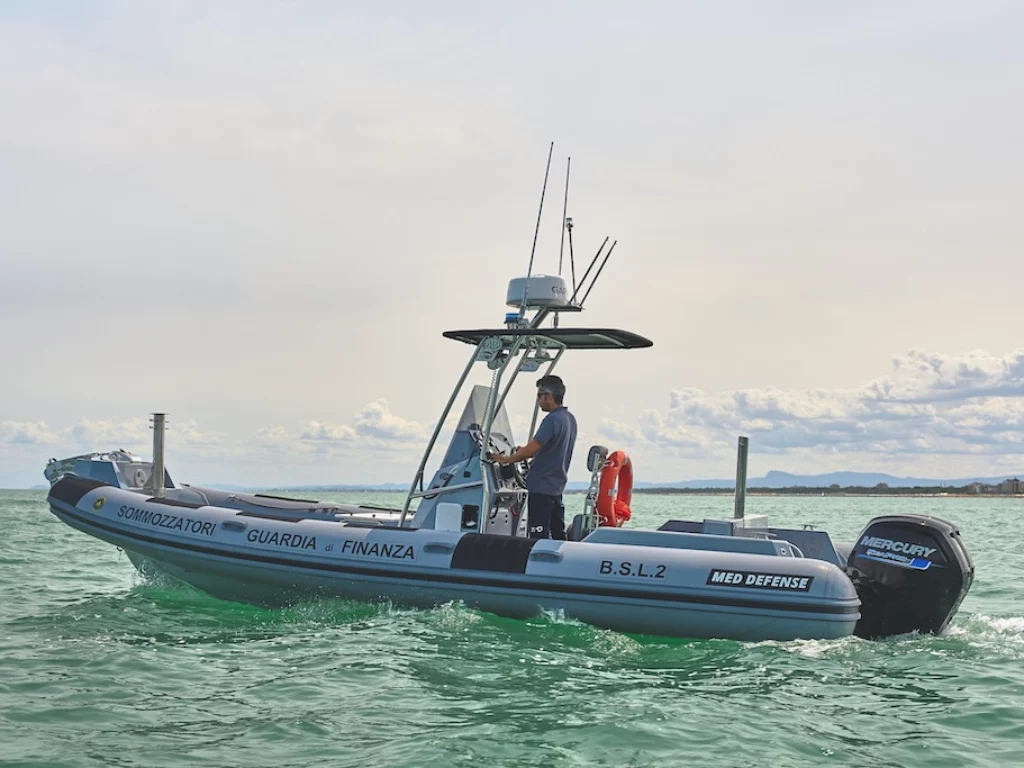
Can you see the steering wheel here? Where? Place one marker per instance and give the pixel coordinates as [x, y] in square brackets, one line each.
[522, 470]
[517, 471]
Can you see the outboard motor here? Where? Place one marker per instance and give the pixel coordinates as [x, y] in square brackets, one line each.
[911, 572]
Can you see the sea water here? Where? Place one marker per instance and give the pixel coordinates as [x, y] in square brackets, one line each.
[99, 667]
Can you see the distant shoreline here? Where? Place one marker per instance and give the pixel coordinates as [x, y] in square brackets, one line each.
[818, 492]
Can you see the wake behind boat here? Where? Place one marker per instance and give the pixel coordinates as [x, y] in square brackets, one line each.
[462, 536]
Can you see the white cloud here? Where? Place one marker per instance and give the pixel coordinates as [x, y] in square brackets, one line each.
[671, 432]
[373, 426]
[136, 435]
[929, 403]
[618, 432]
[108, 433]
[318, 432]
[377, 422]
[929, 377]
[26, 433]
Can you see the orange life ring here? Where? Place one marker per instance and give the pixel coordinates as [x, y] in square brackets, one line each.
[612, 505]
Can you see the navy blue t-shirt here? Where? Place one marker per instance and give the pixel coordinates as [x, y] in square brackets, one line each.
[550, 467]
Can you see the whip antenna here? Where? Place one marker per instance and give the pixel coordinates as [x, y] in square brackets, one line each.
[565, 208]
[544, 189]
[572, 261]
[598, 274]
[593, 261]
[536, 231]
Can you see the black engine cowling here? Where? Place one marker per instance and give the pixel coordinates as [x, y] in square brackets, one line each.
[911, 573]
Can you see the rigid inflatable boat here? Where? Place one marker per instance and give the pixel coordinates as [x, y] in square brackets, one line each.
[462, 536]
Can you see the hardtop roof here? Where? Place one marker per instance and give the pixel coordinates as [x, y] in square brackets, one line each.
[570, 338]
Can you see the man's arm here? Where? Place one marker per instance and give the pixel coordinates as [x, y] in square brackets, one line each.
[526, 452]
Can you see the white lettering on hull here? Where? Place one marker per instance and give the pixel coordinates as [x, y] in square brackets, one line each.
[781, 581]
[889, 545]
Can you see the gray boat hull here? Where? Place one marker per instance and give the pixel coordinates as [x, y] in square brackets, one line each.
[667, 589]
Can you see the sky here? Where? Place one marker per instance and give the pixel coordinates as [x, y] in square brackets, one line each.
[259, 217]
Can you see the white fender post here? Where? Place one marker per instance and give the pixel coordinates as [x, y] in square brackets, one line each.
[158, 454]
[741, 478]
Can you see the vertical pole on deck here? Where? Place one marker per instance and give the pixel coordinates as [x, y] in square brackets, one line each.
[741, 477]
[158, 454]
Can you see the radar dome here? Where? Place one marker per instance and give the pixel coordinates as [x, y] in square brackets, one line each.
[540, 291]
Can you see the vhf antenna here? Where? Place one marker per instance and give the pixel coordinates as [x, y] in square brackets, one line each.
[561, 245]
[593, 261]
[536, 231]
[540, 210]
[565, 209]
[572, 260]
[598, 273]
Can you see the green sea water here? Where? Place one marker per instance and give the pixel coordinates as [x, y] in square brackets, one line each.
[99, 667]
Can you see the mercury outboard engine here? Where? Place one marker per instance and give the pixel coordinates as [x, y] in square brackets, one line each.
[911, 572]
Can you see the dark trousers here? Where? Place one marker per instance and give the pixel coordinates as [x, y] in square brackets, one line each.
[546, 516]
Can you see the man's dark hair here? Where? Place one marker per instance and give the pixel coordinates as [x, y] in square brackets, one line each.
[554, 385]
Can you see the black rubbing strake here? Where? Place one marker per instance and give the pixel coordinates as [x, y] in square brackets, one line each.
[488, 552]
[71, 488]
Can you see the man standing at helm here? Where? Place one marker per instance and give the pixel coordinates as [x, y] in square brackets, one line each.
[551, 451]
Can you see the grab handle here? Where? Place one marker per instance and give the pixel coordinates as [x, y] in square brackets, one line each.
[438, 547]
[547, 556]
